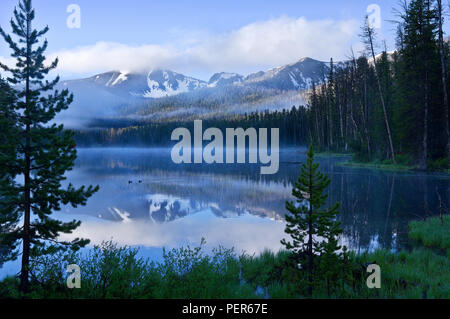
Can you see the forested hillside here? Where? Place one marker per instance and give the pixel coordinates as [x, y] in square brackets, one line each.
[393, 107]
[294, 124]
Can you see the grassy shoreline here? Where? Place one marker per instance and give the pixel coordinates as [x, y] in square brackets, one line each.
[390, 167]
[403, 165]
[374, 164]
[332, 154]
[110, 271]
[380, 166]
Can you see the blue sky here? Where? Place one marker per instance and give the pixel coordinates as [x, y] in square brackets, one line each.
[199, 37]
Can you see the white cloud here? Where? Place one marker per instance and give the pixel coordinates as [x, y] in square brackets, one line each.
[254, 47]
[277, 42]
[106, 56]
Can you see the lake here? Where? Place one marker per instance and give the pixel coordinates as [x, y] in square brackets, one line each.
[147, 201]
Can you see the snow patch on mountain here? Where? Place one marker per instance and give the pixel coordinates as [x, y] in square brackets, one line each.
[121, 78]
[224, 78]
[296, 76]
[163, 83]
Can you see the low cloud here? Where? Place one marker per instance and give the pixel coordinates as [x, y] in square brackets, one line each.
[107, 56]
[277, 42]
[254, 47]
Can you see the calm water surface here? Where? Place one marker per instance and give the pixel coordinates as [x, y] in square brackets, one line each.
[147, 201]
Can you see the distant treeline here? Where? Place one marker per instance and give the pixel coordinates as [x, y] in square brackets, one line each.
[293, 126]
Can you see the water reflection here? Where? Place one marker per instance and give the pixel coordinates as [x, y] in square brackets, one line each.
[147, 200]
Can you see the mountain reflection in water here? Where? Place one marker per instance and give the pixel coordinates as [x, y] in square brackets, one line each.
[146, 200]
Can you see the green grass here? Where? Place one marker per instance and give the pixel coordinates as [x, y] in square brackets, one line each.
[416, 274]
[404, 163]
[332, 154]
[113, 272]
[378, 165]
[433, 232]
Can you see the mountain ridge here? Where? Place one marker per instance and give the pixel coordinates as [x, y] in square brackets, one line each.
[159, 83]
[161, 94]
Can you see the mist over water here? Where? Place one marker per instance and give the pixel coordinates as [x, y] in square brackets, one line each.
[165, 204]
[146, 200]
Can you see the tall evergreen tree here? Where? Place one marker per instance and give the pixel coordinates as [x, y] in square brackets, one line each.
[43, 152]
[419, 80]
[312, 228]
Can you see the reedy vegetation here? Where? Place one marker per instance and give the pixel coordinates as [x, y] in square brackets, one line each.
[109, 271]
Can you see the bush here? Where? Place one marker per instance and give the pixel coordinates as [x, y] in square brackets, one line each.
[9, 288]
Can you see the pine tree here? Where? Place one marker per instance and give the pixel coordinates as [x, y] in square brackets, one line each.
[42, 152]
[418, 80]
[313, 229]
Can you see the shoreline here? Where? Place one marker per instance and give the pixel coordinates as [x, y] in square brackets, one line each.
[415, 274]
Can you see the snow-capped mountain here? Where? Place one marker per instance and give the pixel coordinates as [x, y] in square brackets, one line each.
[296, 76]
[165, 208]
[163, 83]
[154, 84]
[121, 93]
[390, 57]
[224, 79]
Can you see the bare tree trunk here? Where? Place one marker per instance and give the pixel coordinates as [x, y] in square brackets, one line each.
[341, 121]
[324, 116]
[346, 115]
[310, 239]
[364, 119]
[317, 125]
[444, 76]
[355, 125]
[425, 126]
[389, 206]
[364, 115]
[380, 91]
[355, 130]
[358, 130]
[316, 106]
[330, 125]
[330, 107]
[24, 273]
